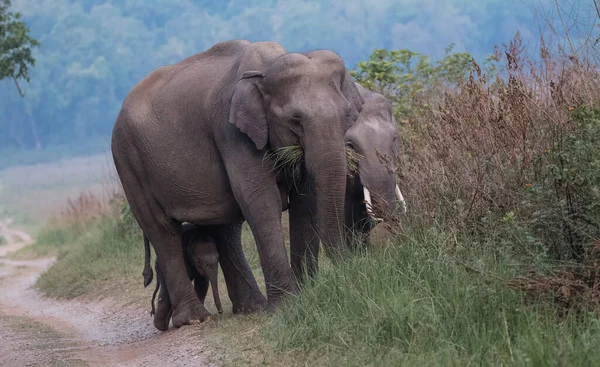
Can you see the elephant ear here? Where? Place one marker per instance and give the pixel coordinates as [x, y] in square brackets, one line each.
[352, 94]
[248, 111]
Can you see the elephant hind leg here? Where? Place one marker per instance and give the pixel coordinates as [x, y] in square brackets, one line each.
[175, 280]
[165, 235]
[164, 307]
[153, 311]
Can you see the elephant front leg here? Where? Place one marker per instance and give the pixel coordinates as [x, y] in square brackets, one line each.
[242, 288]
[262, 209]
[254, 186]
[304, 242]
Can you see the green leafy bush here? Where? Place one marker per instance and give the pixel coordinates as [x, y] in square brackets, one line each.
[564, 200]
[409, 78]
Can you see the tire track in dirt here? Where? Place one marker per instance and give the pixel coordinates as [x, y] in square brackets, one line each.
[98, 333]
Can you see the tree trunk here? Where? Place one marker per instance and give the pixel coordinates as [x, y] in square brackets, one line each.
[33, 126]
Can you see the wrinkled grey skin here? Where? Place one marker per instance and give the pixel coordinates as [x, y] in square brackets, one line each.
[202, 265]
[189, 143]
[374, 136]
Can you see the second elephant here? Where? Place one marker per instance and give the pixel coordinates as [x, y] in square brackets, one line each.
[374, 189]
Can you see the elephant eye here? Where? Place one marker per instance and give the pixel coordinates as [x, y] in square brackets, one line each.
[347, 109]
[296, 122]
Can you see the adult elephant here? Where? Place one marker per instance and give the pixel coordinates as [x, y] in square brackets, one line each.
[189, 145]
[373, 141]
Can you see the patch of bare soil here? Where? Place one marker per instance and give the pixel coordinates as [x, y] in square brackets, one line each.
[37, 330]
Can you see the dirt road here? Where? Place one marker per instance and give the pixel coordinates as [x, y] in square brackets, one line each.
[40, 331]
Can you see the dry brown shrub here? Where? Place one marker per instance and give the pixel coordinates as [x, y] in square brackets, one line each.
[472, 155]
[572, 286]
[82, 210]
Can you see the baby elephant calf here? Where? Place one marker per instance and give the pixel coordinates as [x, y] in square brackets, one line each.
[202, 264]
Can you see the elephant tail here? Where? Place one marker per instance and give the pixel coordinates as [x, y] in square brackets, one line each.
[147, 272]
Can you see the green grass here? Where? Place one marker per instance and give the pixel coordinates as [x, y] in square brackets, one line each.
[108, 255]
[414, 304]
[49, 242]
[2, 240]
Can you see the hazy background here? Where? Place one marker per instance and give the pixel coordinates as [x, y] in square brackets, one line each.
[93, 51]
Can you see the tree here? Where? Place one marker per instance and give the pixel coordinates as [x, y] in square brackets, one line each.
[409, 79]
[15, 46]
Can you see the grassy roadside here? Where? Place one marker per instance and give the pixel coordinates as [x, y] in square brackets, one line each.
[108, 252]
[416, 302]
[48, 242]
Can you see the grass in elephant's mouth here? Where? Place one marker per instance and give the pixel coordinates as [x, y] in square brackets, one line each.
[352, 159]
[290, 159]
[287, 160]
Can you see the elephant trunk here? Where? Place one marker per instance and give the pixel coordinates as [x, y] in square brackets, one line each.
[381, 193]
[215, 290]
[326, 167]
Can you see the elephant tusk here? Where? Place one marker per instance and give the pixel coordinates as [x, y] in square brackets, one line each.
[400, 199]
[368, 202]
[369, 205]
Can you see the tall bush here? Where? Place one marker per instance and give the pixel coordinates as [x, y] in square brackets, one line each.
[504, 149]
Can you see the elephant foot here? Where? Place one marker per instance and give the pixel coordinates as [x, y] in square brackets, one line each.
[162, 316]
[190, 313]
[161, 324]
[255, 303]
[277, 298]
[273, 306]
